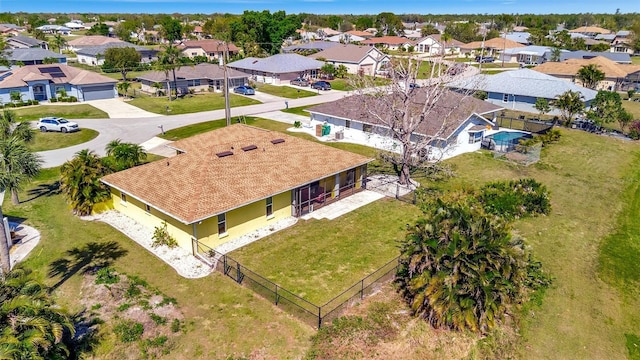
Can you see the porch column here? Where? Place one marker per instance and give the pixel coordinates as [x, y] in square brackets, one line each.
[336, 186]
[361, 177]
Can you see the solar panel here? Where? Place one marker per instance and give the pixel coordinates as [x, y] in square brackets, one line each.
[53, 71]
[5, 75]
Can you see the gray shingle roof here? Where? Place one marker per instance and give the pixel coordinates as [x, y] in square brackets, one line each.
[100, 49]
[27, 40]
[32, 54]
[200, 71]
[348, 53]
[620, 58]
[523, 82]
[278, 64]
[314, 45]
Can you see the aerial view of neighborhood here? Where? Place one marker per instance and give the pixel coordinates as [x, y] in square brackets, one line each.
[268, 179]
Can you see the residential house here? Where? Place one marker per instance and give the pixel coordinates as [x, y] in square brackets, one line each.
[617, 76]
[359, 59]
[33, 56]
[201, 77]
[362, 34]
[277, 69]
[212, 49]
[25, 42]
[94, 55]
[345, 38]
[54, 29]
[309, 47]
[389, 42]
[621, 43]
[10, 29]
[197, 32]
[528, 55]
[90, 40]
[491, 47]
[590, 31]
[433, 45]
[520, 89]
[619, 58]
[327, 32]
[231, 181]
[456, 124]
[521, 37]
[42, 82]
[75, 25]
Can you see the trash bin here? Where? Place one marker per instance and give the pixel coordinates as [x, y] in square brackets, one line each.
[326, 129]
[319, 130]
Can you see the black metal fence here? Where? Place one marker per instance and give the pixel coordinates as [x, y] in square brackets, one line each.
[314, 315]
[522, 123]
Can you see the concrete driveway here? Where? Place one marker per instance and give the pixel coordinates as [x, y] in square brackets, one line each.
[141, 129]
[118, 108]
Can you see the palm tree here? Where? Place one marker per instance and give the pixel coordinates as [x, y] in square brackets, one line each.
[445, 38]
[17, 165]
[125, 155]
[461, 268]
[80, 181]
[124, 87]
[590, 76]
[11, 127]
[570, 103]
[31, 325]
[5, 260]
[59, 42]
[169, 60]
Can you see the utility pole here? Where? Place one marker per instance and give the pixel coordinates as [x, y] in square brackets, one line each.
[227, 110]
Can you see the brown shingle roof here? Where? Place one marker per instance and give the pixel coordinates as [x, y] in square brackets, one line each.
[591, 29]
[92, 40]
[438, 38]
[570, 67]
[197, 185]
[345, 53]
[72, 76]
[448, 113]
[211, 45]
[495, 43]
[390, 40]
[363, 34]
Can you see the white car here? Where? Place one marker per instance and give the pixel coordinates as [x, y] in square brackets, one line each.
[57, 124]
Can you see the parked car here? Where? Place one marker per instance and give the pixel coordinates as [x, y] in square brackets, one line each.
[244, 90]
[321, 85]
[485, 59]
[57, 124]
[299, 82]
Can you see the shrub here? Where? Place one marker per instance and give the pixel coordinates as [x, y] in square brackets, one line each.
[515, 198]
[159, 320]
[132, 291]
[129, 331]
[73, 99]
[53, 100]
[124, 307]
[161, 236]
[107, 275]
[175, 325]
[297, 124]
[634, 130]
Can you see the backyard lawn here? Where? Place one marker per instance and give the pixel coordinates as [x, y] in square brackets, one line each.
[325, 257]
[58, 140]
[74, 111]
[190, 103]
[285, 91]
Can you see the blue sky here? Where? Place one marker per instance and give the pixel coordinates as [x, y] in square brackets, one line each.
[324, 6]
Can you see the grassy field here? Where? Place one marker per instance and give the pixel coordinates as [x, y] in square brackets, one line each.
[57, 140]
[74, 111]
[285, 91]
[189, 104]
[581, 316]
[325, 257]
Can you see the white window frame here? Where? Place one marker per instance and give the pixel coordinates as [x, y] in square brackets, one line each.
[505, 98]
[222, 221]
[269, 207]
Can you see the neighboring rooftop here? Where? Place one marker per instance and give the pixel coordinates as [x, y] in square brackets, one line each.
[591, 30]
[524, 82]
[347, 53]
[199, 183]
[310, 46]
[570, 67]
[389, 40]
[200, 71]
[495, 43]
[449, 112]
[101, 49]
[54, 73]
[31, 54]
[277, 64]
[210, 45]
[92, 40]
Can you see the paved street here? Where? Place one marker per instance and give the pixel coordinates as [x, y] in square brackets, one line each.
[140, 127]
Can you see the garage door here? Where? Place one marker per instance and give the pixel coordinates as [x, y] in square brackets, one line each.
[98, 92]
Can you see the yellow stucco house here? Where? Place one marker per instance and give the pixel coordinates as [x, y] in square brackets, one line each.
[231, 181]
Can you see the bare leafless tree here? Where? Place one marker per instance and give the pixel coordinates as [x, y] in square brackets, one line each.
[420, 117]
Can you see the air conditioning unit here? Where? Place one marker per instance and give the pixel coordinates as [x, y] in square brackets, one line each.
[340, 135]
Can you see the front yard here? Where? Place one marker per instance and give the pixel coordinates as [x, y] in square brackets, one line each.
[189, 104]
[69, 111]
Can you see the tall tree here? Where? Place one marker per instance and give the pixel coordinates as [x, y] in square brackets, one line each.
[169, 60]
[542, 105]
[99, 29]
[590, 76]
[123, 59]
[461, 268]
[263, 29]
[389, 23]
[607, 108]
[59, 42]
[171, 29]
[80, 181]
[570, 104]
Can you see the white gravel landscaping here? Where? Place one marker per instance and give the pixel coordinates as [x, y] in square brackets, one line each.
[180, 259]
[248, 238]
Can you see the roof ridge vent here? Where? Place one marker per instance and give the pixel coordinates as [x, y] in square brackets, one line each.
[224, 154]
[249, 147]
[277, 141]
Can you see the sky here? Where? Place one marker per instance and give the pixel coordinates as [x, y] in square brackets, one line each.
[355, 7]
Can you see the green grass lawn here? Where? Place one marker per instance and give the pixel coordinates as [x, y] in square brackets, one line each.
[222, 320]
[285, 91]
[57, 140]
[190, 103]
[347, 84]
[593, 219]
[75, 111]
[298, 110]
[325, 257]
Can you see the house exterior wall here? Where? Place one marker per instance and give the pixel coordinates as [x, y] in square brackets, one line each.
[239, 221]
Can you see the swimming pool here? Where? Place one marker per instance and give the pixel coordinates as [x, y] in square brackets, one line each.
[504, 140]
